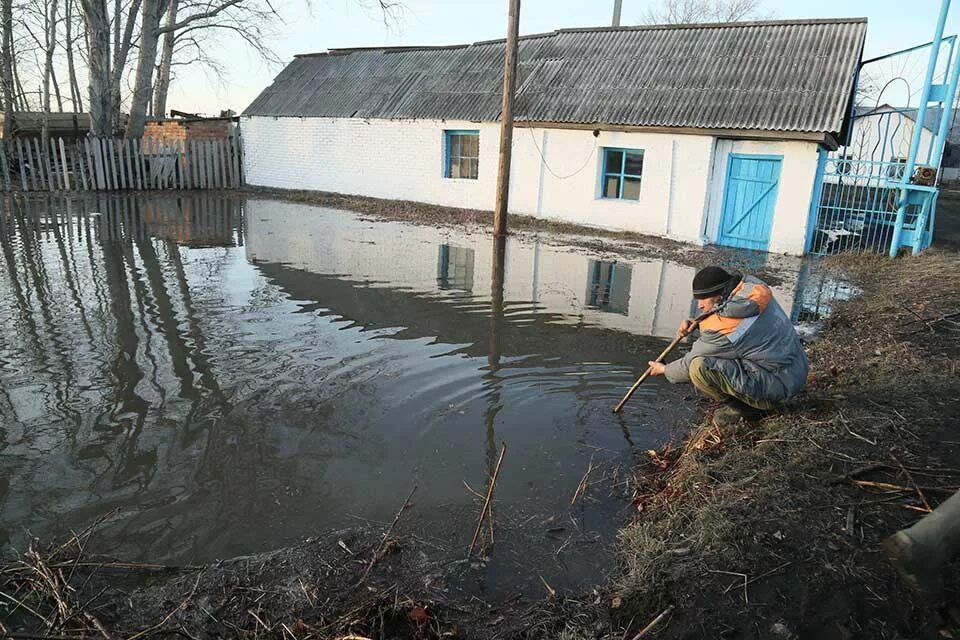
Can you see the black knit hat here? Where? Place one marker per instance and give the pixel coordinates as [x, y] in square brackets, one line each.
[713, 281]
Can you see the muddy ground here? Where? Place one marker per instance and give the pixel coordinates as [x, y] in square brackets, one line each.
[758, 531]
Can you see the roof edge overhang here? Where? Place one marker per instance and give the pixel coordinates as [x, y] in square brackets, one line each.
[825, 138]
[737, 134]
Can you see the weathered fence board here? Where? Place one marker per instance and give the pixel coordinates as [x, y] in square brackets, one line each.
[138, 163]
[80, 164]
[215, 164]
[97, 159]
[4, 165]
[104, 147]
[53, 161]
[106, 164]
[64, 165]
[20, 166]
[179, 163]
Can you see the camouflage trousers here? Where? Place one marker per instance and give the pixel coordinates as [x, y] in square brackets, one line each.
[713, 382]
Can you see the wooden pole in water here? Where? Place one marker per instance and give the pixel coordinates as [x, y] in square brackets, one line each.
[506, 121]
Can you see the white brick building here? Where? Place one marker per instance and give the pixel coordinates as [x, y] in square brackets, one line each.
[703, 133]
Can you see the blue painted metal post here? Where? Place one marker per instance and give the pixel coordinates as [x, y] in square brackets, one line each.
[947, 118]
[920, 239]
[815, 198]
[931, 156]
[918, 127]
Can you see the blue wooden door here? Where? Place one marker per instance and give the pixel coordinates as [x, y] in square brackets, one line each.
[749, 199]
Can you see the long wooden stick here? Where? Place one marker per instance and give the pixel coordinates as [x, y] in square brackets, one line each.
[666, 352]
[486, 502]
[386, 534]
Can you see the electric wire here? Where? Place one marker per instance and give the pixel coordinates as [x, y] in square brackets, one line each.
[586, 162]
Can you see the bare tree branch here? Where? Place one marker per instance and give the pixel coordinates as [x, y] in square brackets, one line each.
[696, 11]
[210, 13]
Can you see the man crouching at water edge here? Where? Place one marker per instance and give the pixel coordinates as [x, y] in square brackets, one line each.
[748, 356]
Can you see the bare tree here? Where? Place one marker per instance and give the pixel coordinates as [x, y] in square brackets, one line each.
[70, 42]
[151, 13]
[124, 50]
[97, 19]
[162, 84]
[251, 22]
[694, 11]
[50, 37]
[6, 65]
[193, 21]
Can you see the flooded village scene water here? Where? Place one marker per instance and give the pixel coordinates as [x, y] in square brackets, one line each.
[634, 328]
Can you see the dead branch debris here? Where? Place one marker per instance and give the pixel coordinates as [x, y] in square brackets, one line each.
[386, 535]
[42, 598]
[653, 623]
[485, 511]
[582, 486]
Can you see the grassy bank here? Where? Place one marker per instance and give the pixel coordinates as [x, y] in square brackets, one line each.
[774, 530]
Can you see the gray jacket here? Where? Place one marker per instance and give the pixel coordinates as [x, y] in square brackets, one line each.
[752, 341]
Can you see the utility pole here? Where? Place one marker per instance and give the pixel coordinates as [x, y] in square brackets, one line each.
[617, 6]
[506, 121]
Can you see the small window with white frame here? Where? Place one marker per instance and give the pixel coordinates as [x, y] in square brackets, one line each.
[622, 173]
[461, 154]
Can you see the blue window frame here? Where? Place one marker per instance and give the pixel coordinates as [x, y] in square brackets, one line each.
[461, 154]
[622, 173]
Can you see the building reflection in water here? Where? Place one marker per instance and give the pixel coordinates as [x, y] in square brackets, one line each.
[206, 364]
[608, 288]
[455, 267]
[641, 297]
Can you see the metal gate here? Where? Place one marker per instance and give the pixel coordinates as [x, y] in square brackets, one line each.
[860, 201]
[878, 191]
[750, 194]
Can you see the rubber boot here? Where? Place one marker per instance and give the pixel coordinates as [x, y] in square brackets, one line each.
[920, 552]
[733, 411]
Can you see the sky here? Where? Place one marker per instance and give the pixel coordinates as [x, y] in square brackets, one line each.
[318, 25]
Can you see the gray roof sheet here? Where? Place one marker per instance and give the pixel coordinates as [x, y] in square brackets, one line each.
[931, 120]
[779, 76]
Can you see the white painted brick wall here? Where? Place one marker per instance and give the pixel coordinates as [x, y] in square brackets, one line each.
[400, 159]
[403, 159]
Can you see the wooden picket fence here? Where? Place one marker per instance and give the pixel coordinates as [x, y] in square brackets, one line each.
[116, 164]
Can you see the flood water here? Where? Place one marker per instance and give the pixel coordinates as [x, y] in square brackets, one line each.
[225, 376]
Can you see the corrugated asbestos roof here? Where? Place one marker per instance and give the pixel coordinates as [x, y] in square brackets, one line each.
[778, 76]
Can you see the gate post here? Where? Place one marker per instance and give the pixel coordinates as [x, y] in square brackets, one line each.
[814, 216]
[918, 127]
